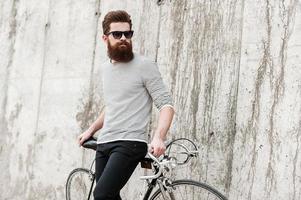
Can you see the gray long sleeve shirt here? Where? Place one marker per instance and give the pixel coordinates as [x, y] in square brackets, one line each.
[129, 91]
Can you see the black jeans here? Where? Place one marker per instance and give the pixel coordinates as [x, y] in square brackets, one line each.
[115, 162]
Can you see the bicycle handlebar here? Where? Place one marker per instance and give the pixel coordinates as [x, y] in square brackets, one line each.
[164, 163]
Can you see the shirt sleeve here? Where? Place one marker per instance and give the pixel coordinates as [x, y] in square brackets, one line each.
[155, 86]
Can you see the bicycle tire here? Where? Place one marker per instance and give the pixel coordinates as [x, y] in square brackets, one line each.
[200, 191]
[79, 184]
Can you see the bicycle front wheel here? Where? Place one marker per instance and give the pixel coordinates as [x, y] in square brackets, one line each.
[188, 189]
[79, 184]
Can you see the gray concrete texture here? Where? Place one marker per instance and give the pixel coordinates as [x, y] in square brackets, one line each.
[233, 68]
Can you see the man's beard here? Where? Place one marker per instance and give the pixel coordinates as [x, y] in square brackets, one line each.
[121, 51]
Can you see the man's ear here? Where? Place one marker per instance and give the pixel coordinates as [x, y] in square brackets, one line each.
[105, 38]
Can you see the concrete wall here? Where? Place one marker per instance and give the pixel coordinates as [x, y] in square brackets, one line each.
[233, 68]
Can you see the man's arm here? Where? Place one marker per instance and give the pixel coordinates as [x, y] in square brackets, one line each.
[96, 125]
[162, 99]
[165, 119]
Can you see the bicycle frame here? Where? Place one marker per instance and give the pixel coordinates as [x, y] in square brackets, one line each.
[150, 188]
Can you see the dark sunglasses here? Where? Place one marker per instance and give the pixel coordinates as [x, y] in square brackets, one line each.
[118, 34]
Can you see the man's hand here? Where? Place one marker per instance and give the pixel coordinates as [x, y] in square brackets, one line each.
[157, 146]
[84, 136]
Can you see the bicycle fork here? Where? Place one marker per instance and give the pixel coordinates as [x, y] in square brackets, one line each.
[166, 189]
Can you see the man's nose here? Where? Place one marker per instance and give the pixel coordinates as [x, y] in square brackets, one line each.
[123, 37]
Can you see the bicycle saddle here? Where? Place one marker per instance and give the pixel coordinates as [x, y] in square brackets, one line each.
[90, 143]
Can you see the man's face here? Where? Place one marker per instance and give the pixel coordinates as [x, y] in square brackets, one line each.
[119, 42]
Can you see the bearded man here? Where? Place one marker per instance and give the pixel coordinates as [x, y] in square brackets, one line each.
[131, 84]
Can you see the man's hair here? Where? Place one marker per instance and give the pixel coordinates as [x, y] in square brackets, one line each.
[115, 16]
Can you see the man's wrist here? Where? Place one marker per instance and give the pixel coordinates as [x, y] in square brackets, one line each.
[91, 130]
[160, 135]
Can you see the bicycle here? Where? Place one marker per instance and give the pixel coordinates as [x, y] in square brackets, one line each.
[80, 182]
